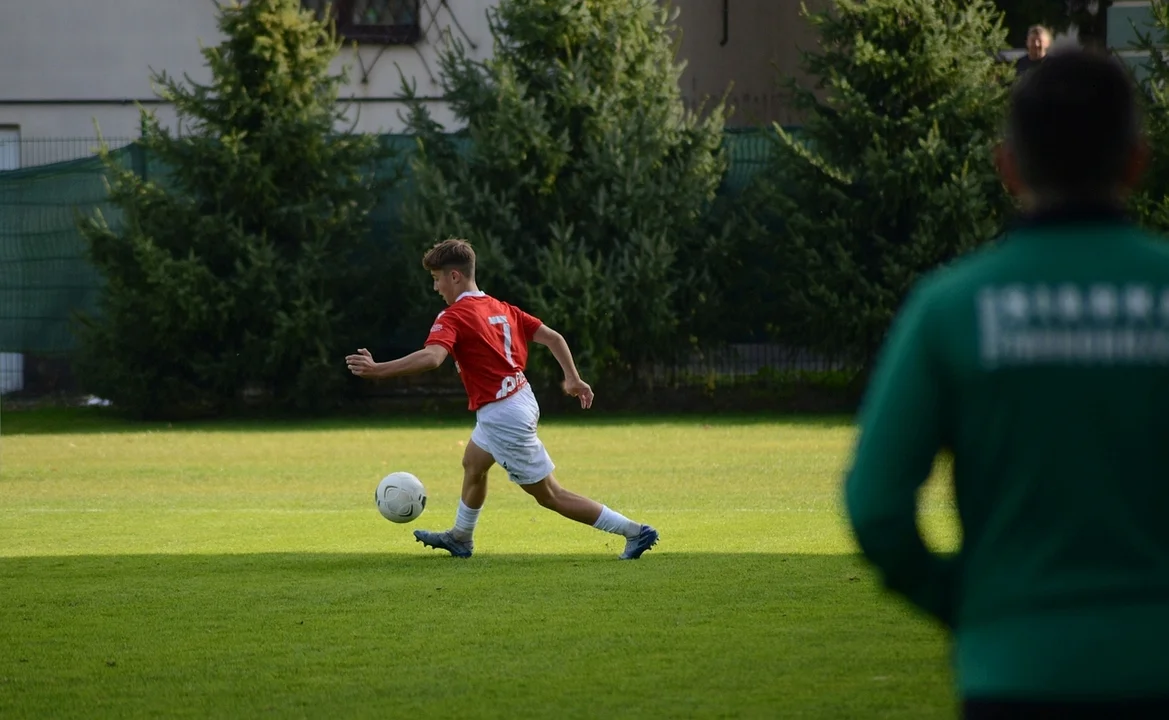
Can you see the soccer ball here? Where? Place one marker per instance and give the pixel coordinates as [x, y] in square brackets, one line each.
[400, 497]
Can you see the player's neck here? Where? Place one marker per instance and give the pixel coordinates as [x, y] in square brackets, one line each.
[469, 287]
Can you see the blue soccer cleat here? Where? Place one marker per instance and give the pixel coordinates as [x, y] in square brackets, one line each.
[635, 546]
[444, 541]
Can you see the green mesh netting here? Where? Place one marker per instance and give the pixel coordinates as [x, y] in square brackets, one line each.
[45, 277]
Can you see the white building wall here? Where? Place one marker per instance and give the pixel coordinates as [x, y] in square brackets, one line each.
[65, 64]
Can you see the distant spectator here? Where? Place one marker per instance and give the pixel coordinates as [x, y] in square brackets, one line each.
[1038, 41]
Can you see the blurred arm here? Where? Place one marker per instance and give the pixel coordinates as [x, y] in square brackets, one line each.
[900, 437]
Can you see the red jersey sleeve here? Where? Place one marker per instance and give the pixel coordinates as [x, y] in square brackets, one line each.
[529, 323]
[443, 332]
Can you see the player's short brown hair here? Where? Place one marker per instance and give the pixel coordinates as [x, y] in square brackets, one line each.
[451, 254]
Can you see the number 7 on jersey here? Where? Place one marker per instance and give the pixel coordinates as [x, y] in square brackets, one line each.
[501, 320]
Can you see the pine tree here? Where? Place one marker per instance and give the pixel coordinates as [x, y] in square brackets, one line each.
[580, 178]
[1151, 203]
[892, 173]
[241, 261]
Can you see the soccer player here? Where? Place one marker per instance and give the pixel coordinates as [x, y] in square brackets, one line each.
[1042, 364]
[489, 341]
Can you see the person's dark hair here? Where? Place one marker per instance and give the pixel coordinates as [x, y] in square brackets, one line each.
[1073, 123]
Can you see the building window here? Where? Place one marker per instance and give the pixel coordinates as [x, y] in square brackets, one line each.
[384, 22]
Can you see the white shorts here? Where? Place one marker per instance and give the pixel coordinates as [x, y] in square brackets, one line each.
[507, 429]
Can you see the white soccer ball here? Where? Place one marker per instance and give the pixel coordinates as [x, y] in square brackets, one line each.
[400, 497]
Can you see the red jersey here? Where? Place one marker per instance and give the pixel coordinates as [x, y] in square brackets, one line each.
[488, 339]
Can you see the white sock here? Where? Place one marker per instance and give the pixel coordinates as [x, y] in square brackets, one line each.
[465, 521]
[617, 523]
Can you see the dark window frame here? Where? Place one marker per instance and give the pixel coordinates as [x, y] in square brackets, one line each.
[341, 12]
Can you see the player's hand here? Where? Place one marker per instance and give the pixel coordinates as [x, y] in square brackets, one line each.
[579, 389]
[362, 364]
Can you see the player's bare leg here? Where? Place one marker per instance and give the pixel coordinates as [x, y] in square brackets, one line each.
[476, 463]
[457, 541]
[551, 495]
[638, 538]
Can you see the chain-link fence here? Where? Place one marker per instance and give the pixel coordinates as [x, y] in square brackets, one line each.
[37, 152]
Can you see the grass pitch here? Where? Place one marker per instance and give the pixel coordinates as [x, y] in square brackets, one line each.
[242, 570]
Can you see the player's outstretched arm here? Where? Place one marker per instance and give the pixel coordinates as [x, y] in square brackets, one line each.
[362, 363]
[573, 385]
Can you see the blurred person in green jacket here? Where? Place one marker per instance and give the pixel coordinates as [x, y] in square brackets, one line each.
[1041, 364]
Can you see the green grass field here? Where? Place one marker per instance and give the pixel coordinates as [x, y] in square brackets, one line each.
[242, 570]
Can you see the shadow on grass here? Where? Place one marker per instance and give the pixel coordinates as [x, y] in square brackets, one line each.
[499, 635]
[738, 589]
[53, 421]
[728, 568]
[838, 588]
